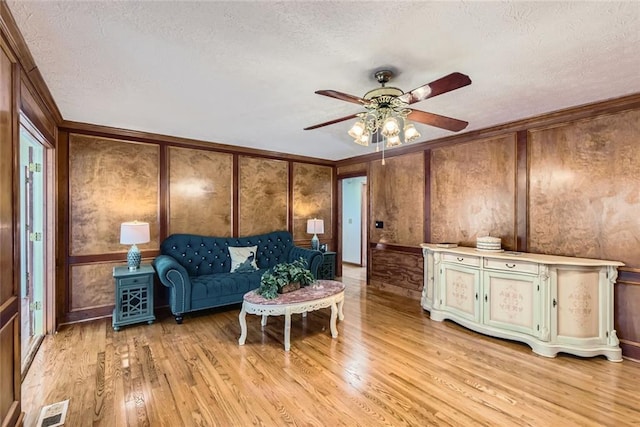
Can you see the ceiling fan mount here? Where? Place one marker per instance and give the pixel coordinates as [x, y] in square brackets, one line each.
[383, 77]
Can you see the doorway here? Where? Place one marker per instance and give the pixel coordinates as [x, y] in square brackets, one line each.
[354, 225]
[32, 243]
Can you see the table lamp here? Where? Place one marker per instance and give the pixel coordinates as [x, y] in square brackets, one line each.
[315, 227]
[132, 233]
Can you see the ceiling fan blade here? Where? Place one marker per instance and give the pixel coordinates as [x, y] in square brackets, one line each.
[341, 119]
[342, 96]
[436, 120]
[437, 87]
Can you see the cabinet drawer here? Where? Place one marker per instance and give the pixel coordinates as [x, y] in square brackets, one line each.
[508, 265]
[129, 281]
[461, 259]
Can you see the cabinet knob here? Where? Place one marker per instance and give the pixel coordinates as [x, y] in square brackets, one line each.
[510, 265]
[555, 303]
[476, 296]
[486, 298]
[460, 259]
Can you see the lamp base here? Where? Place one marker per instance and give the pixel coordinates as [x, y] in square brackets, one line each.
[134, 257]
[315, 243]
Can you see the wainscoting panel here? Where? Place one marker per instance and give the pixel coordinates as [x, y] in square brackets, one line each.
[200, 192]
[263, 200]
[110, 182]
[397, 269]
[584, 189]
[627, 320]
[312, 198]
[473, 191]
[93, 285]
[397, 199]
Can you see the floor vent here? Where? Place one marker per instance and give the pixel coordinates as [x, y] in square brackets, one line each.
[53, 415]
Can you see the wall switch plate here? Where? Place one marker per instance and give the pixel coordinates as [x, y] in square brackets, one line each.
[379, 224]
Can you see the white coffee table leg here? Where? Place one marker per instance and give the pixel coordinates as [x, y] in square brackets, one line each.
[243, 326]
[263, 323]
[287, 330]
[332, 322]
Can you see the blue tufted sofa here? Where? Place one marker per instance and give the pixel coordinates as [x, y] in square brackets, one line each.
[196, 269]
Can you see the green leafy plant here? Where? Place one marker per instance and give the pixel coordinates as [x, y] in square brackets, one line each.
[284, 274]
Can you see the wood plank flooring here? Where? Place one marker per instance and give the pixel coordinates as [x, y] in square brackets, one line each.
[390, 366]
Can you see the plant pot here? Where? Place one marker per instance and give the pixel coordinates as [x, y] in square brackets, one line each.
[289, 288]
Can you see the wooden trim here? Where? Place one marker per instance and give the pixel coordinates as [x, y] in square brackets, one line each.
[148, 137]
[628, 277]
[235, 196]
[572, 114]
[23, 57]
[109, 257]
[426, 210]
[63, 290]
[163, 179]
[84, 315]
[522, 187]
[630, 350]
[290, 200]
[350, 174]
[9, 310]
[396, 248]
[29, 111]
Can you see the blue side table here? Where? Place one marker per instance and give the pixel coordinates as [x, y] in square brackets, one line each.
[134, 296]
[327, 269]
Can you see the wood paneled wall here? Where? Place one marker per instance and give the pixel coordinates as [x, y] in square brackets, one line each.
[566, 183]
[177, 188]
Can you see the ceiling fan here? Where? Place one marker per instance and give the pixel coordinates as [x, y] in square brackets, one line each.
[387, 110]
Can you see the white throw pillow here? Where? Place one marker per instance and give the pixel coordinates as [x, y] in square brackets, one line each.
[243, 259]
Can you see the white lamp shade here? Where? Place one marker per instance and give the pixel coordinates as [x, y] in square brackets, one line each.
[315, 226]
[132, 233]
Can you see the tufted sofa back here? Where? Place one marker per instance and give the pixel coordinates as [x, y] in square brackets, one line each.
[201, 255]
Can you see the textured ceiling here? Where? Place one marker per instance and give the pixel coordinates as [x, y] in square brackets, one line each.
[244, 73]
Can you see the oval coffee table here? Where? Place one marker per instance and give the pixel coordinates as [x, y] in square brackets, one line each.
[322, 294]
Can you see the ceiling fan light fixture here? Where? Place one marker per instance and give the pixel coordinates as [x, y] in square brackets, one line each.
[357, 130]
[390, 127]
[410, 133]
[363, 139]
[393, 141]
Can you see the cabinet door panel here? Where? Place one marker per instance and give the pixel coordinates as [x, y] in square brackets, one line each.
[578, 306]
[461, 291]
[512, 302]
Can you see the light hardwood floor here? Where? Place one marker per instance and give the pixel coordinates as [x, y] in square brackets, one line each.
[390, 365]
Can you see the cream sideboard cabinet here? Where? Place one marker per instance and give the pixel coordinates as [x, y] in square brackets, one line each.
[552, 303]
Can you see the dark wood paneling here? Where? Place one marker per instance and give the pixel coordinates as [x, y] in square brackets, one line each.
[312, 198]
[352, 171]
[36, 112]
[397, 270]
[200, 192]
[427, 196]
[9, 240]
[627, 312]
[584, 189]
[522, 195]
[473, 192]
[263, 205]
[397, 199]
[62, 227]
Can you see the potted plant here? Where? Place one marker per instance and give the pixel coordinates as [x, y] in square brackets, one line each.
[285, 277]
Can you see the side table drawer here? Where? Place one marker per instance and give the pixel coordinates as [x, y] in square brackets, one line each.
[135, 281]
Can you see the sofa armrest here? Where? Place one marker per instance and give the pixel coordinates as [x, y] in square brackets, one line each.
[175, 277]
[314, 258]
